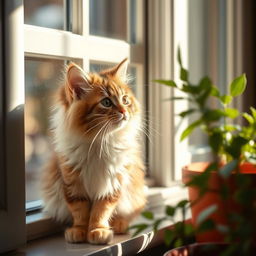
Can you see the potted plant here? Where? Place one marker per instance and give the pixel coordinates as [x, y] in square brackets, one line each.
[222, 192]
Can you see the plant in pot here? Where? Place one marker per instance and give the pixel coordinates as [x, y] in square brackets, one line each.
[222, 192]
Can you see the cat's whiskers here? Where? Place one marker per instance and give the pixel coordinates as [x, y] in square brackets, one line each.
[94, 120]
[95, 137]
[144, 131]
[104, 142]
[149, 128]
[104, 139]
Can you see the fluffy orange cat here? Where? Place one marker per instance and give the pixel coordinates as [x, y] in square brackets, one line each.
[95, 180]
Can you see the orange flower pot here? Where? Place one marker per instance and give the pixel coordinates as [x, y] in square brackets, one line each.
[213, 197]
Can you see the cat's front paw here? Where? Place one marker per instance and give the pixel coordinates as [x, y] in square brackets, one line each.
[76, 235]
[100, 236]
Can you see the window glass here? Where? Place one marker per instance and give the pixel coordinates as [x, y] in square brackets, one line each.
[133, 21]
[42, 77]
[108, 18]
[45, 13]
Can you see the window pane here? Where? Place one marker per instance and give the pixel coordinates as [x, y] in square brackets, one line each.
[108, 18]
[42, 77]
[133, 21]
[45, 13]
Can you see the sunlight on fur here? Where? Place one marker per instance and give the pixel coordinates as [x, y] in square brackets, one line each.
[95, 180]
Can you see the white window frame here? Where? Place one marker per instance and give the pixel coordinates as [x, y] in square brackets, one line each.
[168, 29]
[12, 210]
[205, 50]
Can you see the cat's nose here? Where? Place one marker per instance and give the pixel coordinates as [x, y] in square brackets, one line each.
[123, 113]
[122, 110]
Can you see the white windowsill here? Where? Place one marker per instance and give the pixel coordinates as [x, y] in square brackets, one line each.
[122, 244]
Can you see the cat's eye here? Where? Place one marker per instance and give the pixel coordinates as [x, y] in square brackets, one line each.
[125, 100]
[106, 102]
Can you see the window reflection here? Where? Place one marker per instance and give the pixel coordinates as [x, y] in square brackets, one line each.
[44, 13]
[42, 77]
[108, 18]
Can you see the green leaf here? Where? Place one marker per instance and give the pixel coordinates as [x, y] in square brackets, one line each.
[227, 169]
[182, 203]
[226, 99]
[206, 213]
[206, 225]
[230, 127]
[157, 223]
[168, 236]
[231, 112]
[213, 115]
[215, 141]
[189, 129]
[138, 228]
[184, 74]
[200, 181]
[170, 211]
[205, 83]
[179, 57]
[185, 113]
[189, 229]
[238, 85]
[224, 191]
[234, 149]
[192, 89]
[178, 243]
[253, 110]
[170, 83]
[148, 215]
[215, 92]
[248, 117]
[205, 88]
[179, 227]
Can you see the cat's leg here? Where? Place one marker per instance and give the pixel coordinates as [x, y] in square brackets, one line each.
[79, 209]
[132, 201]
[101, 212]
[78, 205]
[54, 204]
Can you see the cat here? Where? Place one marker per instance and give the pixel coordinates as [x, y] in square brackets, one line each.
[95, 179]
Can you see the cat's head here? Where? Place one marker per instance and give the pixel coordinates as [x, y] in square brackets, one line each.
[98, 103]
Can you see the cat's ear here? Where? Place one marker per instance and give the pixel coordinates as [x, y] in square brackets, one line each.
[120, 70]
[77, 82]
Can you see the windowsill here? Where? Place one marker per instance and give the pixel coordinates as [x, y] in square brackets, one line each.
[122, 244]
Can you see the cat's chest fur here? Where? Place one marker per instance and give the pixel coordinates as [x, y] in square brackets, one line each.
[100, 174]
[100, 167]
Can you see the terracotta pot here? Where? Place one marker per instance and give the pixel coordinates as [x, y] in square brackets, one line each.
[202, 249]
[210, 198]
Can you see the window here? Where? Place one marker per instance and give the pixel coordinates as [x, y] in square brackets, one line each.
[103, 44]
[94, 41]
[87, 32]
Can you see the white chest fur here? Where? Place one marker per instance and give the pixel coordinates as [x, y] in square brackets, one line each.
[99, 168]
